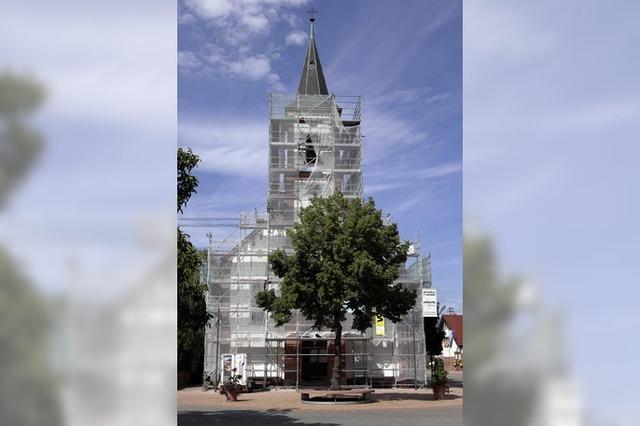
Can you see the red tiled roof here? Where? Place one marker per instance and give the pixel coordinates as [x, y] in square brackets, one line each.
[454, 322]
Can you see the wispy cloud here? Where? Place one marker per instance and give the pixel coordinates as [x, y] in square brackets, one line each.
[227, 147]
[408, 204]
[441, 170]
[375, 188]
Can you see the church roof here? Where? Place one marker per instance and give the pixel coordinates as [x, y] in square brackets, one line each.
[312, 81]
[454, 322]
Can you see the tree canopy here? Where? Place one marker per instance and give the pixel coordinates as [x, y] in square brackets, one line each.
[29, 385]
[187, 182]
[346, 260]
[20, 97]
[192, 312]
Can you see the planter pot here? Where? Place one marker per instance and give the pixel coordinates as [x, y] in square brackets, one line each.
[232, 397]
[439, 391]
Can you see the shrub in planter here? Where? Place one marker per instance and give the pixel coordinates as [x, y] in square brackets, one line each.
[439, 379]
[231, 388]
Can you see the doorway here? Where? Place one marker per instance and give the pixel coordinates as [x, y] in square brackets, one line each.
[314, 362]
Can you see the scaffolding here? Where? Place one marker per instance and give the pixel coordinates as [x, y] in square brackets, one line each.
[315, 149]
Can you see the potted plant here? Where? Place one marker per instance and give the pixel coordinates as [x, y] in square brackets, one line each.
[439, 379]
[231, 387]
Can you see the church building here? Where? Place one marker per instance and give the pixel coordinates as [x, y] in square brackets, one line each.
[315, 149]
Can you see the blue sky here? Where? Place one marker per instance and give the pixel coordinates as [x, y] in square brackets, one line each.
[405, 62]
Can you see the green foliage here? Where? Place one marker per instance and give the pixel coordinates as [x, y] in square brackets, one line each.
[491, 300]
[19, 97]
[232, 385]
[439, 373]
[490, 307]
[187, 183]
[28, 384]
[192, 313]
[346, 260]
[433, 334]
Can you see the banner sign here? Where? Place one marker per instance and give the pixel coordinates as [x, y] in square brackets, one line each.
[379, 325]
[429, 302]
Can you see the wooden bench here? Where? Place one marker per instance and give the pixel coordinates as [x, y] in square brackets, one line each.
[362, 394]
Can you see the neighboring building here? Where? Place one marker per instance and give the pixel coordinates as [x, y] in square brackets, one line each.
[315, 149]
[452, 343]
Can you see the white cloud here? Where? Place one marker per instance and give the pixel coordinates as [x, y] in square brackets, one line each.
[188, 61]
[296, 38]
[255, 23]
[441, 170]
[382, 187]
[275, 83]
[235, 160]
[231, 148]
[211, 8]
[107, 97]
[238, 28]
[253, 67]
[396, 178]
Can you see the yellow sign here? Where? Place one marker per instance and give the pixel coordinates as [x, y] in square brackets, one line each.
[379, 325]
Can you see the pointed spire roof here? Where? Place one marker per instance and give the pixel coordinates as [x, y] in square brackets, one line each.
[312, 80]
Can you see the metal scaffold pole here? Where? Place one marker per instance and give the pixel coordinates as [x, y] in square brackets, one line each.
[266, 287]
[415, 357]
[206, 303]
[217, 371]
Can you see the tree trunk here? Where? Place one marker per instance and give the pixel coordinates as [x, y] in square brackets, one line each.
[337, 346]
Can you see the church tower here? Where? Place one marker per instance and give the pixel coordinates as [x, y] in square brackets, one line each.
[314, 142]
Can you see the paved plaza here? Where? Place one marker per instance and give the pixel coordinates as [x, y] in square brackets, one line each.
[283, 407]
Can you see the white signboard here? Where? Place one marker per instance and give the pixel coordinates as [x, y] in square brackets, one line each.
[231, 361]
[429, 302]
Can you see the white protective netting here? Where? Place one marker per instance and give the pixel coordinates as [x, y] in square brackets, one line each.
[314, 149]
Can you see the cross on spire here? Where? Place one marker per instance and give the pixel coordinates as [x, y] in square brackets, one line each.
[312, 14]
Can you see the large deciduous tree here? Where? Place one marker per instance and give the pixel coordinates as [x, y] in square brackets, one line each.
[346, 260]
[192, 312]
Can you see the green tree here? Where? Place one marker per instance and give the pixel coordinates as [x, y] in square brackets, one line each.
[490, 309]
[187, 182]
[346, 259]
[433, 336]
[29, 383]
[20, 144]
[192, 313]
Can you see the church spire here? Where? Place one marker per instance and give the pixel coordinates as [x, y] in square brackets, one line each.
[312, 80]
